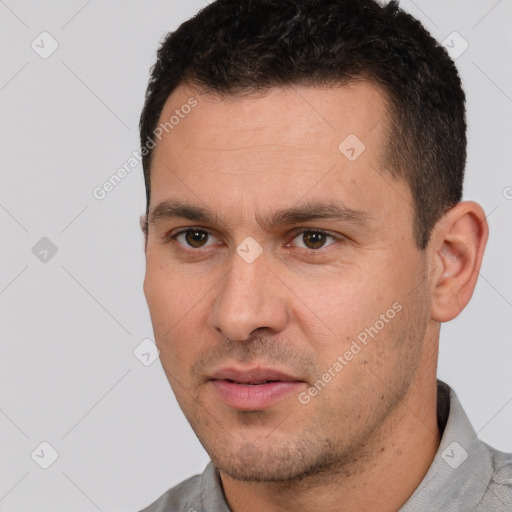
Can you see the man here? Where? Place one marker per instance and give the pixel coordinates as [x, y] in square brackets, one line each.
[305, 239]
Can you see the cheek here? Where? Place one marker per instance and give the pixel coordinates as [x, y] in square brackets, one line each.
[347, 301]
[170, 295]
[360, 312]
[178, 309]
[167, 302]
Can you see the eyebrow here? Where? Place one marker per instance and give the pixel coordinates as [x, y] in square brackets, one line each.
[313, 210]
[167, 210]
[316, 210]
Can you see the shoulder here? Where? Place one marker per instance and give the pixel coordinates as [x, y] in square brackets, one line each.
[200, 493]
[180, 498]
[498, 494]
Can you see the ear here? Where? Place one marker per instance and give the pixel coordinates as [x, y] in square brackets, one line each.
[143, 221]
[457, 248]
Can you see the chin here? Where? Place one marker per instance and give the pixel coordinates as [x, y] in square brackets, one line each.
[273, 464]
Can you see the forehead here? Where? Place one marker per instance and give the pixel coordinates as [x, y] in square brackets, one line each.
[287, 145]
[315, 118]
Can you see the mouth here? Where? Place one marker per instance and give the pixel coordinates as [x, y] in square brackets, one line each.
[255, 388]
[252, 383]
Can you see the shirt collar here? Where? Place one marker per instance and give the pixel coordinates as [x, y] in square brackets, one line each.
[462, 467]
[212, 494]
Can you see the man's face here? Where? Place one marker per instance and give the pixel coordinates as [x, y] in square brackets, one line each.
[275, 253]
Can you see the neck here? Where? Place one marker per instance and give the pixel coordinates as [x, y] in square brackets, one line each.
[384, 476]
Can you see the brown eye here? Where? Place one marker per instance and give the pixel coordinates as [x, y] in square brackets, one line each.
[196, 238]
[314, 239]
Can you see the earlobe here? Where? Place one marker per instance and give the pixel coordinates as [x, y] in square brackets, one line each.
[458, 247]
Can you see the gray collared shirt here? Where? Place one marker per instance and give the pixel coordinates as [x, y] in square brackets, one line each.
[466, 474]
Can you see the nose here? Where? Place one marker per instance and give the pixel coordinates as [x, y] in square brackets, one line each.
[250, 298]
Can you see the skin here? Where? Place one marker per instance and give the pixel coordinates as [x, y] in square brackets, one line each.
[367, 439]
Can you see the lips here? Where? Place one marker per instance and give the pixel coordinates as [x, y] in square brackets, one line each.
[253, 376]
[253, 389]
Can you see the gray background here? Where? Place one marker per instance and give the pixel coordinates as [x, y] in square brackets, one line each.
[70, 323]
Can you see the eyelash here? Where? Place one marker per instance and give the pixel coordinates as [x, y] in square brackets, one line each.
[173, 238]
